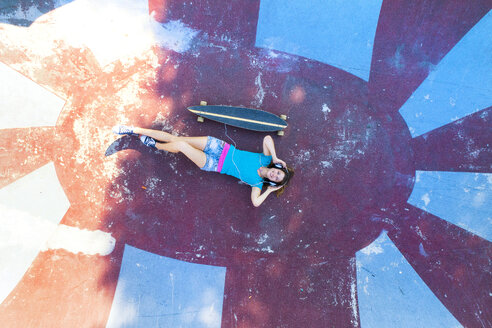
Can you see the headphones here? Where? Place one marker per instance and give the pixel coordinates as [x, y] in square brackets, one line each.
[273, 183]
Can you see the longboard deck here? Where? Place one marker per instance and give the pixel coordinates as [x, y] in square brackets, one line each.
[241, 117]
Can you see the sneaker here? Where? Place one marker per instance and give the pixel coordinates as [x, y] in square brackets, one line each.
[123, 129]
[148, 141]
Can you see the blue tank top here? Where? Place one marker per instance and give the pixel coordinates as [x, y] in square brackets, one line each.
[245, 165]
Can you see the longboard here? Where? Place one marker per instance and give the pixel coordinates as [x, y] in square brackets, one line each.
[241, 117]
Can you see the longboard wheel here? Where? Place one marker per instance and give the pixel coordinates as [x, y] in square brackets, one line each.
[203, 103]
[280, 133]
[284, 117]
[200, 119]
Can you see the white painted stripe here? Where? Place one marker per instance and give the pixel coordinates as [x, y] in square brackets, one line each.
[30, 210]
[24, 103]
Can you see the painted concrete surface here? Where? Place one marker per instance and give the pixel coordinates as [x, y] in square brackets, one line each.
[139, 235]
[36, 105]
[155, 291]
[31, 210]
[458, 86]
[339, 32]
[457, 197]
[390, 292]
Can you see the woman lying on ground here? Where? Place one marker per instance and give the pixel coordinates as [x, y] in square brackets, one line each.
[211, 154]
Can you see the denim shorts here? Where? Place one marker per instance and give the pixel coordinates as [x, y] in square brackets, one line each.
[215, 149]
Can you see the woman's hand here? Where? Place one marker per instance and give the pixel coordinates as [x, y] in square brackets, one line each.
[276, 160]
[258, 198]
[273, 188]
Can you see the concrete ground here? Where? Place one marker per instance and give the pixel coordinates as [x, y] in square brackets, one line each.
[386, 223]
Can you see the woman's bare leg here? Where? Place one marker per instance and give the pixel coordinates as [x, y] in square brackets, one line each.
[196, 142]
[155, 134]
[195, 155]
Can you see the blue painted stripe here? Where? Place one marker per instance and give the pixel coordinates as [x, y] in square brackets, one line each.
[156, 291]
[462, 198]
[391, 294]
[460, 85]
[338, 32]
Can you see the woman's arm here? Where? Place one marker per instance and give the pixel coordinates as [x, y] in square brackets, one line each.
[258, 198]
[269, 150]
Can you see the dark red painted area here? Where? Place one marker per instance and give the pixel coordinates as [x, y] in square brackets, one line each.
[317, 218]
[15, 161]
[231, 22]
[282, 293]
[60, 290]
[354, 172]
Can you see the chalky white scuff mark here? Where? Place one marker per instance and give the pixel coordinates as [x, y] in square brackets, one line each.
[302, 156]
[174, 35]
[151, 183]
[260, 95]
[262, 239]
[326, 110]
[326, 164]
[348, 146]
[267, 249]
[278, 61]
[373, 248]
[154, 187]
[353, 299]
[90, 141]
[121, 192]
[83, 241]
[162, 120]
[419, 232]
